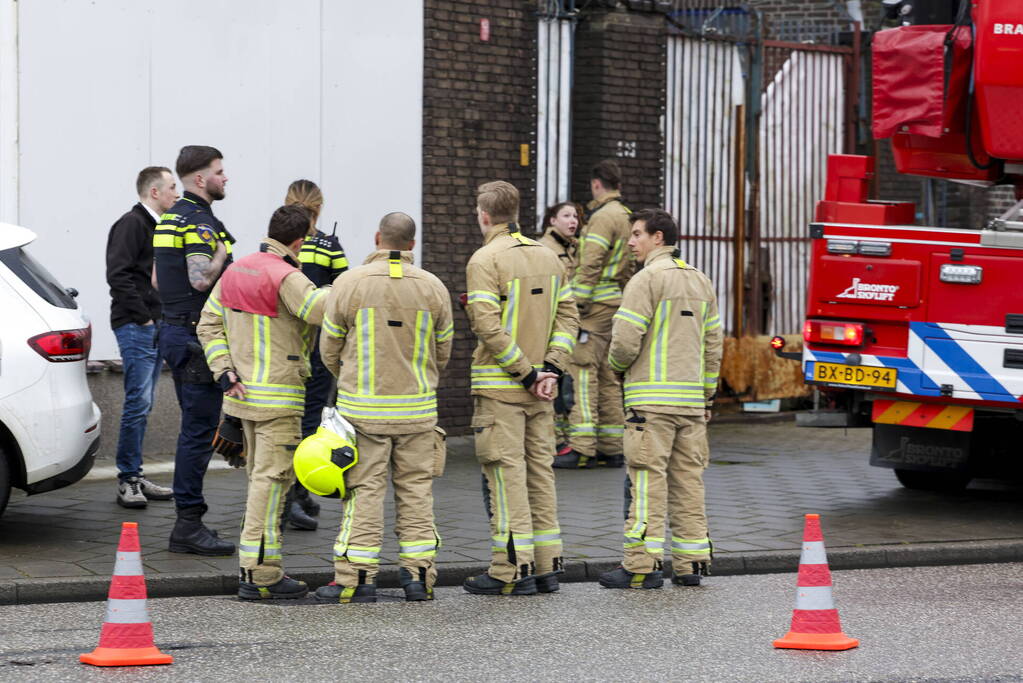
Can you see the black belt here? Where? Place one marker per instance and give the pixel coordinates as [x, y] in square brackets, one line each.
[184, 320]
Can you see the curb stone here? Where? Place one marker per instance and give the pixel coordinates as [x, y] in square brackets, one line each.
[82, 589]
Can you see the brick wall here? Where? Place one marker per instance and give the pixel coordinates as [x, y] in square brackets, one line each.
[618, 100]
[478, 107]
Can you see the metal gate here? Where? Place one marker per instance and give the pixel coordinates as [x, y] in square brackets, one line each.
[749, 124]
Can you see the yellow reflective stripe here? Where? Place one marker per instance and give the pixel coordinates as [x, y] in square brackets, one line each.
[510, 309]
[565, 293]
[483, 296]
[445, 334]
[419, 349]
[598, 240]
[339, 263]
[553, 300]
[310, 300]
[191, 237]
[167, 241]
[333, 330]
[640, 321]
[615, 365]
[703, 335]
[366, 350]
[586, 425]
[213, 303]
[563, 340]
[511, 354]
[611, 269]
[659, 349]
[214, 349]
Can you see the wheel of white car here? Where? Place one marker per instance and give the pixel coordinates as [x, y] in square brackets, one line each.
[5, 481]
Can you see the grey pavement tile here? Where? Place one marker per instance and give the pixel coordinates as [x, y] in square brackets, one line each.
[184, 566]
[44, 569]
[9, 572]
[8, 592]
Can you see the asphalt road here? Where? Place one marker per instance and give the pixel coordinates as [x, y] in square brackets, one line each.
[916, 624]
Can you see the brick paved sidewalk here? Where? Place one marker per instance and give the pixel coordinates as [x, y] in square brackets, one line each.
[762, 479]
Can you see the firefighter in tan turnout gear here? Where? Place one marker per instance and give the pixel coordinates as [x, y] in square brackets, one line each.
[667, 340]
[605, 265]
[255, 330]
[521, 309]
[387, 334]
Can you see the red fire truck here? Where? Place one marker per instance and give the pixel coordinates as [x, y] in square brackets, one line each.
[918, 331]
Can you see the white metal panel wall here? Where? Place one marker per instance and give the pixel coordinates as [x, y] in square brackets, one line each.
[555, 38]
[801, 124]
[704, 87]
[323, 90]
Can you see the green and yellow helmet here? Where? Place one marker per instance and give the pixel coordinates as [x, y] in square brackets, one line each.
[321, 461]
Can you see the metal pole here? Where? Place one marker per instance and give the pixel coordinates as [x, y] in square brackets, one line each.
[541, 118]
[564, 109]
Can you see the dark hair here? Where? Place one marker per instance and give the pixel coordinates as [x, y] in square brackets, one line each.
[289, 223]
[608, 173]
[553, 210]
[149, 176]
[193, 158]
[658, 220]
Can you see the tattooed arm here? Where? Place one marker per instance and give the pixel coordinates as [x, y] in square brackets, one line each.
[203, 271]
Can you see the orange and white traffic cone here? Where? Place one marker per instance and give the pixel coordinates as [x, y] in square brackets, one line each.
[127, 635]
[815, 623]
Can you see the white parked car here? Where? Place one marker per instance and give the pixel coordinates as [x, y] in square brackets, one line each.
[49, 425]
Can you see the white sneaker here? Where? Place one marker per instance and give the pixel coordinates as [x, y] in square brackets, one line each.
[154, 491]
[129, 494]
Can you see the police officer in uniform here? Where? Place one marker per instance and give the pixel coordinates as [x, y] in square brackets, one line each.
[191, 248]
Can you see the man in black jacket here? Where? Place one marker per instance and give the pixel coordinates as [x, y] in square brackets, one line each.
[134, 317]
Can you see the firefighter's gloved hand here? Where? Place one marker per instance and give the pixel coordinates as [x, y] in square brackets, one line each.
[228, 441]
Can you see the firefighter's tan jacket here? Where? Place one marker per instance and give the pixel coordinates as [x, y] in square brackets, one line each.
[605, 262]
[387, 334]
[520, 307]
[269, 355]
[667, 337]
[565, 247]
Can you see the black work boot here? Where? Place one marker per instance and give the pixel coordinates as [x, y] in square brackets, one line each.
[485, 584]
[548, 583]
[299, 519]
[610, 460]
[574, 460]
[190, 535]
[333, 593]
[623, 578]
[416, 589]
[693, 578]
[285, 589]
[311, 507]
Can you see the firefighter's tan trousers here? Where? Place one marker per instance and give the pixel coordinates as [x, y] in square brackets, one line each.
[515, 447]
[666, 456]
[595, 424]
[269, 447]
[410, 460]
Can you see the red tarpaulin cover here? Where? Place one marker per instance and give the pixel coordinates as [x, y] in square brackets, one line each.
[909, 80]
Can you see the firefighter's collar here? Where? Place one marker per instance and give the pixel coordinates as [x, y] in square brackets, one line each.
[658, 253]
[566, 242]
[385, 254]
[272, 246]
[502, 229]
[597, 203]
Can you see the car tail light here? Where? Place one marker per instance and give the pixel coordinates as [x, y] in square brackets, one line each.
[63, 346]
[828, 332]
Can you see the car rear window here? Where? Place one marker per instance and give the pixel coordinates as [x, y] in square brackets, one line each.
[32, 273]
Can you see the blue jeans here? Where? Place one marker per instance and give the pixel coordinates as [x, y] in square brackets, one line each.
[200, 414]
[137, 344]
